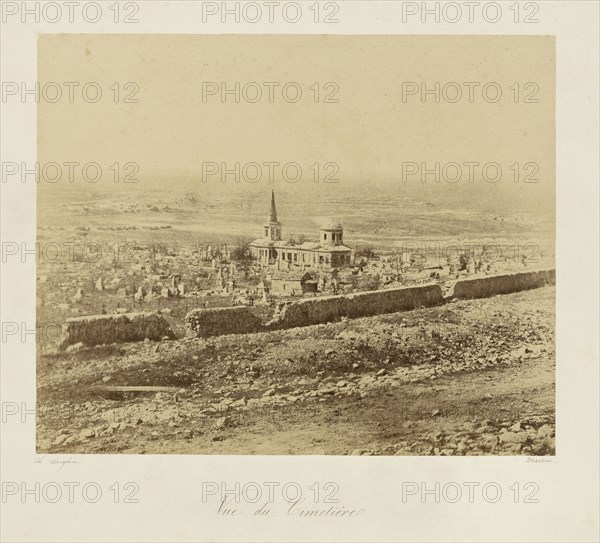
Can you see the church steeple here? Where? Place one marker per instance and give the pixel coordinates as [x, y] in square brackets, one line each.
[273, 215]
[272, 230]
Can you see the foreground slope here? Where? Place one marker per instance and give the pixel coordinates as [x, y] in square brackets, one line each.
[471, 377]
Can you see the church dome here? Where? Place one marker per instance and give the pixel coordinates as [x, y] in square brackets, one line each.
[331, 225]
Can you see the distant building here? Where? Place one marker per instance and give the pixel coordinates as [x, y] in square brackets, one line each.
[328, 252]
[294, 283]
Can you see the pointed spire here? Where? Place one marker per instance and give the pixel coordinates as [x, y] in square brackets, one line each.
[273, 215]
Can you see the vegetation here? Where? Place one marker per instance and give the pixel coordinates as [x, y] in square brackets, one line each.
[365, 251]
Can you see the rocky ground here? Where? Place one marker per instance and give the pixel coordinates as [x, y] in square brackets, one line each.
[468, 378]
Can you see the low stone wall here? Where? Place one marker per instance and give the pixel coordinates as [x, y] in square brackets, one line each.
[240, 320]
[309, 311]
[362, 304]
[222, 320]
[483, 287]
[105, 329]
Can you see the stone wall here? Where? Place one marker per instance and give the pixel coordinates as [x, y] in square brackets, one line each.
[362, 304]
[483, 287]
[221, 321]
[323, 309]
[240, 320]
[105, 329]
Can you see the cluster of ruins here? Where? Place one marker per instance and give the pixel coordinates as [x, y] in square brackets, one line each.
[171, 279]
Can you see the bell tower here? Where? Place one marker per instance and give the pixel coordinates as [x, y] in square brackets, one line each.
[332, 233]
[272, 229]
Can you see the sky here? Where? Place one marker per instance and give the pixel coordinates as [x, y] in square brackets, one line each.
[361, 117]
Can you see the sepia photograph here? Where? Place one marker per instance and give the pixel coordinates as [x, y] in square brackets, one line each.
[296, 245]
[299, 271]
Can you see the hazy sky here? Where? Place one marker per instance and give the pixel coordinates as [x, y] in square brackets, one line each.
[369, 132]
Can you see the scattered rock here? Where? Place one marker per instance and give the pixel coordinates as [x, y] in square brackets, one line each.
[60, 440]
[545, 431]
[76, 347]
[329, 390]
[512, 448]
[87, 433]
[223, 422]
[513, 437]
[547, 446]
[490, 441]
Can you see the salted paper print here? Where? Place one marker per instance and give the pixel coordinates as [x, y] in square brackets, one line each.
[296, 245]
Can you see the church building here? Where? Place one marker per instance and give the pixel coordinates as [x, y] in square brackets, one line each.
[328, 252]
